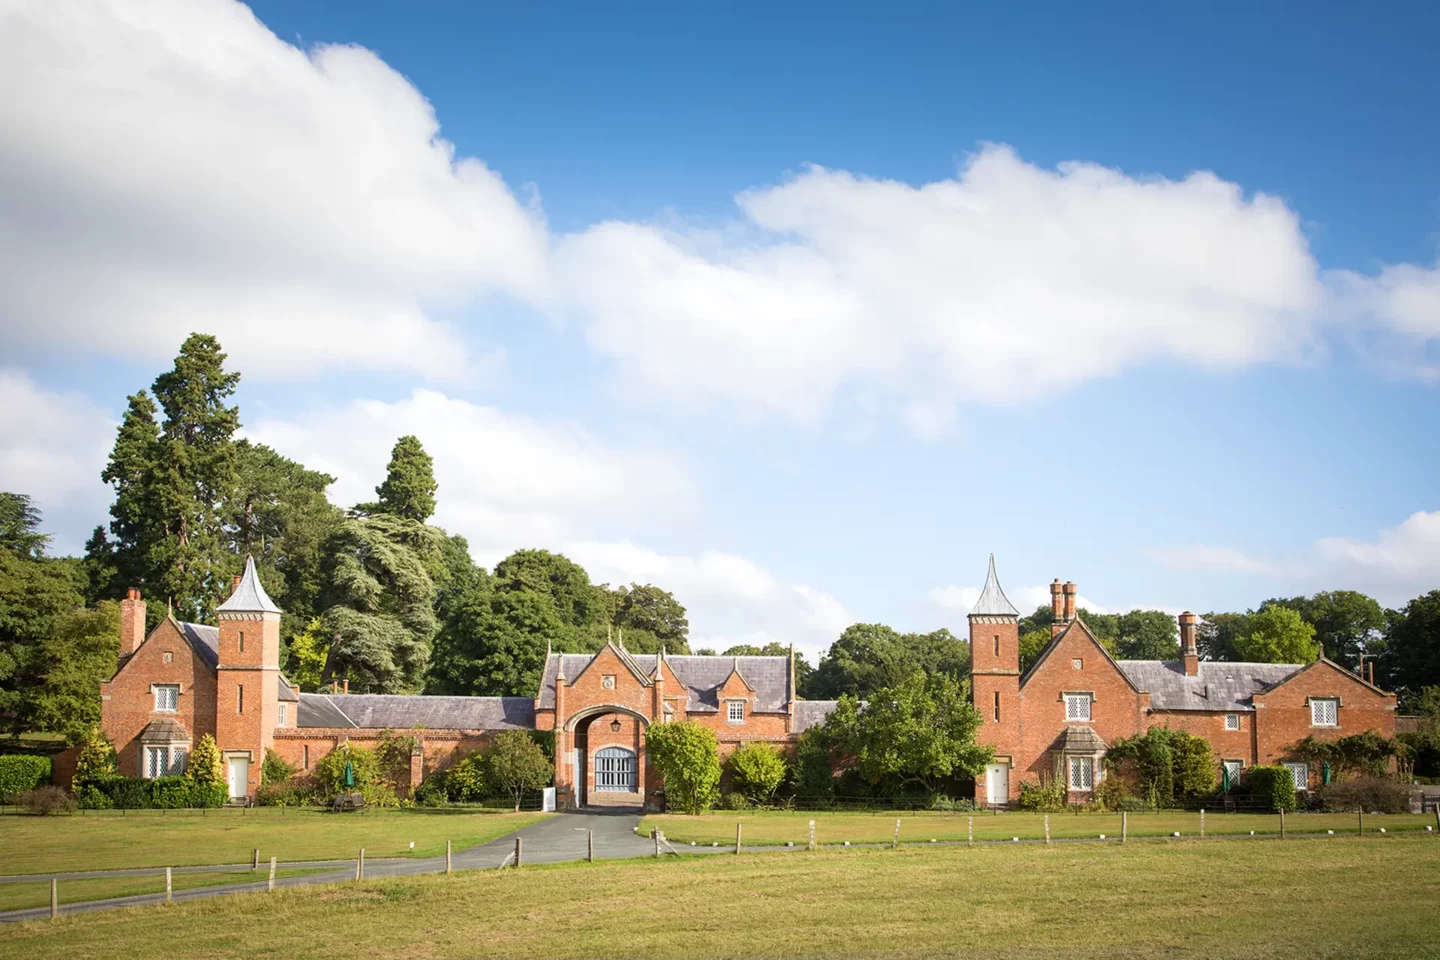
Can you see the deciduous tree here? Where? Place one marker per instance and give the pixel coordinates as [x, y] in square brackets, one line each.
[515, 763]
[1277, 635]
[687, 755]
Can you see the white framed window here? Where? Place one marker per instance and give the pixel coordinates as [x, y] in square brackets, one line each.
[1324, 712]
[1077, 706]
[284, 715]
[1232, 721]
[167, 760]
[167, 697]
[614, 770]
[1301, 773]
[735, 711]
[1082, 773]
[1234, 768]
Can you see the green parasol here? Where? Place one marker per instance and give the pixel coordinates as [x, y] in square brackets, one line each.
[349, 774]
[1225, 778]
[1325, 772]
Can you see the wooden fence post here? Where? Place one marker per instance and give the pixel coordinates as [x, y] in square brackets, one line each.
[255, 859]
[360, 865]
[54, 898]
[447, 856]
[737, 836]
[656, 834]
[1124, 826]
[812, 834]
[270, 884]
[167, 884]
[895, 844]
[1360, 821]
[590, 845]
[1282, 824]
[970, 829]
[1202, 823]
[518, 853]
[1047, 829]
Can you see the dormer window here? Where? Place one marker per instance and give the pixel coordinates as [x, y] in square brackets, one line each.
[167, 697]
[735, 711]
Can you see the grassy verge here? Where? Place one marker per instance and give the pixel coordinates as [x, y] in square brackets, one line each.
[1226, 899]
[775, 828]
[107, 840]
[19, 896]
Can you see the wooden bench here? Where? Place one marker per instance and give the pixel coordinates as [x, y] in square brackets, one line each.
[347, 802]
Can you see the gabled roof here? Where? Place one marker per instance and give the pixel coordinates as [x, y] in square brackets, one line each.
[377, 711]
[1299, 669]
[250, 595]
[702, 677]
[1055, 642]
[993, 602]
[1218, 684]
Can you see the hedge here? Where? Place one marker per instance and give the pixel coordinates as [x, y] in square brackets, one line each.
[1274, 786]
[161, 793]
[21, 773]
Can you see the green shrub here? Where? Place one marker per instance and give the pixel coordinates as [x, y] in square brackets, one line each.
[1372, 794]
[1272, 786]
[290, 793]
[433, 790]
[951, 805]
[812, 775]
[687, 756]
[466, 782]
[46, 800]
[95, 763]
[21, 774]
[1113, 792]
[160, 793]
[1042, 796]
[1169, 765]
[275, 770]
[203, 765]
[329, 776]
[757, 770]
[514, 763]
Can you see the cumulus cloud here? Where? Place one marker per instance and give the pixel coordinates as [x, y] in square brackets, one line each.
[506, 481]
[53, 446]
[1401, 562]
[729, 599]
[172, 165]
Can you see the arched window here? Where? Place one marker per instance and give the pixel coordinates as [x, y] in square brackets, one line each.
[614, 770]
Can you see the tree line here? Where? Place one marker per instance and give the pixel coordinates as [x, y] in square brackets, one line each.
[378, 595]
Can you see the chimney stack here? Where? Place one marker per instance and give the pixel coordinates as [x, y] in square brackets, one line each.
[234, 584]
[1371, 667]
[1070, 591]
[1057, 605]
[132, 622]
[1189, 654]
[345, 685]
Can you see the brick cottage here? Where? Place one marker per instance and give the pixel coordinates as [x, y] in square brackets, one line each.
[185, 680]
[1058, 717]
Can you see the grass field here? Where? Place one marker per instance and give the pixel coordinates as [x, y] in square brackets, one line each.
[104, 840]
[1346, 897]
[775, 828]
[19, 896]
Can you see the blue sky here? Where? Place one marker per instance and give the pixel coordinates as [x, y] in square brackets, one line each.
[800, 313]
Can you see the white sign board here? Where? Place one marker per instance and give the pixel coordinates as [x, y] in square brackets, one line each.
[547, 800]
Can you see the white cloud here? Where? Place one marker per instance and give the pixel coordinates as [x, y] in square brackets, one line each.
[52, 447]
[172, 165]
[729, 599]
[1401, 562]
[506, 481]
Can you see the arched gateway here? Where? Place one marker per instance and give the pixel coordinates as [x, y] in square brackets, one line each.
[605, 759]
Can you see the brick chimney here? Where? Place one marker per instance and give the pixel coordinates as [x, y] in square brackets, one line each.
[1070, 591]
[132, 622]
[1057, 607]
[234, 584]
[1188, 653]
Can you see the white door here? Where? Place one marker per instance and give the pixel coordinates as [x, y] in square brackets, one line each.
[239, 777]
[997, 783]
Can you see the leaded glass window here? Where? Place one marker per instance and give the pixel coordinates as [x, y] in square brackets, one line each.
[167, 697]
[1324, 713]
[1082, 773]
[1077, 706]
[1301, 773]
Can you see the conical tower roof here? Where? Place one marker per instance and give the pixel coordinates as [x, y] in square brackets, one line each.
[993, 602]
[249, 596]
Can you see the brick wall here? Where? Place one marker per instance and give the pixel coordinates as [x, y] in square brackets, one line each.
[1283, 714]
[127, 702]
[995, 692]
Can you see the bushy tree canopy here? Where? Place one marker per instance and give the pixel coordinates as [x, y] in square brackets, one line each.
[409, 487]
[871, 656]
[687, 756]
[1277, 635]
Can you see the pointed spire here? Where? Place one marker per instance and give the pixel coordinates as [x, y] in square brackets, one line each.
[993, 602]
[250, 595]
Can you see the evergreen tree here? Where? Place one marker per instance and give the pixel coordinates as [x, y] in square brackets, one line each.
[135, 519]
[409, 487]
[19, 526]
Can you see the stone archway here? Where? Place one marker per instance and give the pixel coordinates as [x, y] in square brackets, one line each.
[607, 760]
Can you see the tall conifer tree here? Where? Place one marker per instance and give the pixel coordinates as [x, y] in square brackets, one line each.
[409, 487]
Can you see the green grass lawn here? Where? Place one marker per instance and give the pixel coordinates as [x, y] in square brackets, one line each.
[778, 827]
[105, 840]
[19, 896]
[1347, 897]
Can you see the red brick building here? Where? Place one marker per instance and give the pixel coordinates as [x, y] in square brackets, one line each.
[185, 680]
[1057, 718]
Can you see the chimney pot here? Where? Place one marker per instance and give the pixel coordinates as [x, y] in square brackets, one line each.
[234, 584]
[1070, 591]
[345, 686]
[1057, 605]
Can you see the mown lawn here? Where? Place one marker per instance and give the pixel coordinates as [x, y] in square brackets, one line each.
[19, 896]
[105, 840]
[1347, 897]
[775, 828]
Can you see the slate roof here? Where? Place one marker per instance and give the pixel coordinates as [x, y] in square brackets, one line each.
[249, 596]
[769, 677]
[1079, 738]
[205, 640]
[1218, 686]
[993, 602]
[811, 713]
[164, 728]
[287, 692]
[376, 711]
